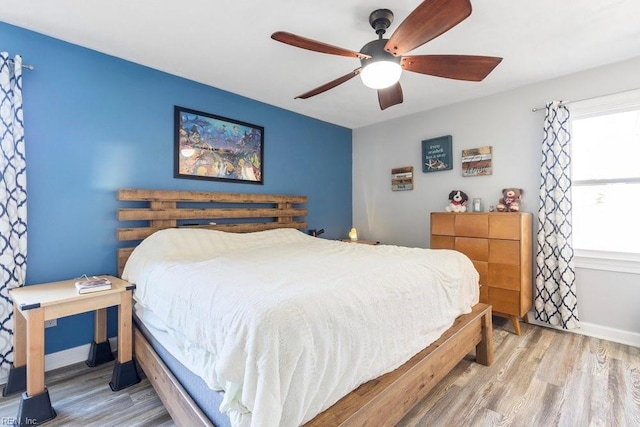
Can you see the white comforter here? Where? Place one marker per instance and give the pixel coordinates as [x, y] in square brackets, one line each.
[286, 323]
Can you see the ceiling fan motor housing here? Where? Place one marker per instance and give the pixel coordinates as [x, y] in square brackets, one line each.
[382, 69]
[380, 20]
[375, 49]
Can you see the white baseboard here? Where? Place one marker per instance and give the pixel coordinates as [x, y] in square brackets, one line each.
[597, 331]
[67, 357]
[72, 355]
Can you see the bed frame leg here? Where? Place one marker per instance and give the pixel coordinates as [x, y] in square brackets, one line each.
[484, 350]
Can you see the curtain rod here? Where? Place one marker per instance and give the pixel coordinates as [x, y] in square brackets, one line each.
[561, 103]
[27, 66]
[584, 99]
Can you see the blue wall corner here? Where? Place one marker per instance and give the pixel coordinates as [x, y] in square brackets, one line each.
[95, 123]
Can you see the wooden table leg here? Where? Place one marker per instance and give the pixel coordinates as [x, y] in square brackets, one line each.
[17, 380]
[125, 331]
[35, 351]
[125, 373]
[19, 338]
[35, 406]
[100, 328]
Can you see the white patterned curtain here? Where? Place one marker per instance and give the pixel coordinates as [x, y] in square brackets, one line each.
[555, 293]
[13, 199]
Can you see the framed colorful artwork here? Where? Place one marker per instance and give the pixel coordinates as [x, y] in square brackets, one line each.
[217, 148]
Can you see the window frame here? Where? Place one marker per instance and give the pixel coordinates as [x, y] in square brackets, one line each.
[624, 262]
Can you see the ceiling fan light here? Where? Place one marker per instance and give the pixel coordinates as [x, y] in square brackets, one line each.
[381, 74]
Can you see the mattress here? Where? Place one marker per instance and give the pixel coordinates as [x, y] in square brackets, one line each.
[208, 400]
[287, 324]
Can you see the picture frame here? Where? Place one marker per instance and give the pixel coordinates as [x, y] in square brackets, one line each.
[402, 178]
[437, 154]
[211, 147]
[477, 161]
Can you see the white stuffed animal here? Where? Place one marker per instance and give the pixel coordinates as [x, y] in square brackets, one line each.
[457, 201]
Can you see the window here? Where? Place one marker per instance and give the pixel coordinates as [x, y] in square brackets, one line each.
[606, 180]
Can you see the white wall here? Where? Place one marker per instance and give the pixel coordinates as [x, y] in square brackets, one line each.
[505, 122]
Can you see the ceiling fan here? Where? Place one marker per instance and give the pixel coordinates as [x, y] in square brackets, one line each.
[383, 60]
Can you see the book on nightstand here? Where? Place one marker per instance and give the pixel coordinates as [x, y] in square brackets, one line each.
[93, 284]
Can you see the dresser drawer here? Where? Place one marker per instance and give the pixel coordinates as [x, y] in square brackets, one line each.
[472, 225]
[443, 224]
[505, 276]
[504, 251]
[443, 242]
[504, 301]
[483, 270]
[505, 226]
[476, 249]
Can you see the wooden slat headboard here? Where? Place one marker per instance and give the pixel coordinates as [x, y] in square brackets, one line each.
[233, 212]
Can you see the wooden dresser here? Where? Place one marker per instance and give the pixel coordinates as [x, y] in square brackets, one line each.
[499, 244]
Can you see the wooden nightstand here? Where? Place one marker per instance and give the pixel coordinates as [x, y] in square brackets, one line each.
[32, 306]
[364, 242]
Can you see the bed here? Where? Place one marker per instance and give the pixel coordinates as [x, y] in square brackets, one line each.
[300, 337]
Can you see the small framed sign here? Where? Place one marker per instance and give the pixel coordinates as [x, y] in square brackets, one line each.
[436, 154]
[402, 179]
[477, 161]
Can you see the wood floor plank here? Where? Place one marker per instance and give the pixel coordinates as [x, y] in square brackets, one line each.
[81, 396]
[540, 395]
[545, 378]
[542, 378]
[632, 401]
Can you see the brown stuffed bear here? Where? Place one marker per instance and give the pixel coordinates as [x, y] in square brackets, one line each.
[510, 201]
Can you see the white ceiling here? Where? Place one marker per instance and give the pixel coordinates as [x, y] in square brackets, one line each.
[227, 44]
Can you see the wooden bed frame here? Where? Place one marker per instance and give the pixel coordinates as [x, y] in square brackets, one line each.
[379, 402]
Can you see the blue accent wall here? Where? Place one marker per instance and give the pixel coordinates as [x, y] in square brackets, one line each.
[95, 123]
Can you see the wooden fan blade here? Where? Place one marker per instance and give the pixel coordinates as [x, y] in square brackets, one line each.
[426, 22]
[390, 96]
[316, 46]
[459, 67]
[333, 83]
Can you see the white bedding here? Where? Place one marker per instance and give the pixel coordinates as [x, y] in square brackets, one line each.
[286, 323]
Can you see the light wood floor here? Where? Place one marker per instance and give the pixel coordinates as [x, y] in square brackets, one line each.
[81, 396]
[542, 378]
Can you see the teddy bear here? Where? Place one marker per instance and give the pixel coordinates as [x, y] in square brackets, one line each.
[510, 201]
[457, 201]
